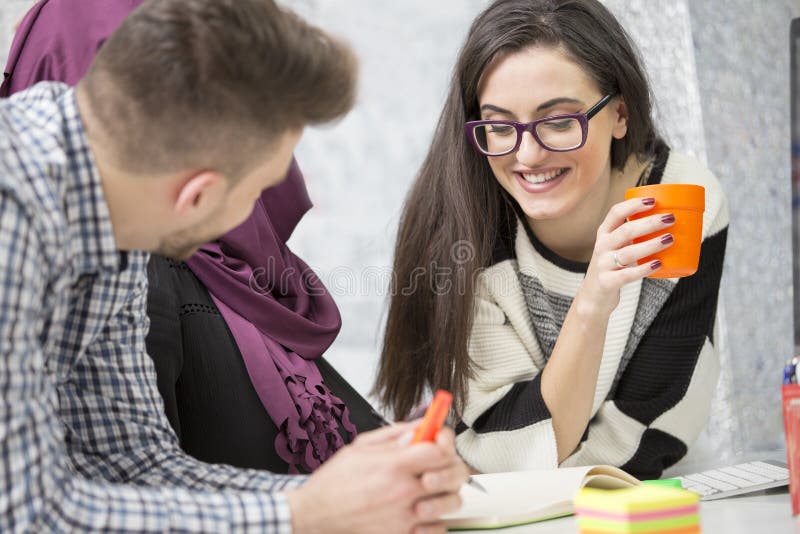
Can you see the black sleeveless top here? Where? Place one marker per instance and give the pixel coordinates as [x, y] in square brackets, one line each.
[208, 396]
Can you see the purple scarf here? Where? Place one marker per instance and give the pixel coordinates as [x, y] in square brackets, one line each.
[281, 324]
[57, 40]
[282, 319]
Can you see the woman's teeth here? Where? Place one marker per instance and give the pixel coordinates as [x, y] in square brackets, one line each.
[542, 177]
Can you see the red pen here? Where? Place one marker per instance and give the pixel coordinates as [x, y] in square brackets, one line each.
[433, 421]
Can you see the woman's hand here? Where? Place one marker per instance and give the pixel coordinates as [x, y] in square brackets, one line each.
[615, 257]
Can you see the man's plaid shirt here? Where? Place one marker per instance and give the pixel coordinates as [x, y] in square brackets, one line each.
[84, 442]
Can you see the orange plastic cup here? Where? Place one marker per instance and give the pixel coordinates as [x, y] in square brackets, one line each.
[687, 203]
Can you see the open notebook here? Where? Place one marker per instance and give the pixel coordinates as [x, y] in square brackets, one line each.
[529, 496]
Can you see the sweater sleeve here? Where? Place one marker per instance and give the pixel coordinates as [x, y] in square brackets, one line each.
[663, 395]
[658, 409]
[663, 398]
[505, 425]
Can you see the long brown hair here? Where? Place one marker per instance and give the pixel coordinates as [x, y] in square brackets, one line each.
[456, 211]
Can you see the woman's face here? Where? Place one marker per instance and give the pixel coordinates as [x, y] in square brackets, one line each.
[541, 82]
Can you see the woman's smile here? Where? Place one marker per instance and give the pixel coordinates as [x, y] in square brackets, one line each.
[541, 180]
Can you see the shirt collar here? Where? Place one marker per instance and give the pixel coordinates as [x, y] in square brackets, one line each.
[88, 216]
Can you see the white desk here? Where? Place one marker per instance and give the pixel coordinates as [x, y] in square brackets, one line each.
[761, 513]
[766, 512]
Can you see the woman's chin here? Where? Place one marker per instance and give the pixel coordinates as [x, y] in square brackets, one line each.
[536, 211]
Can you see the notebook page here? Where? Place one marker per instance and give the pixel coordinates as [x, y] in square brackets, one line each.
[519, 496]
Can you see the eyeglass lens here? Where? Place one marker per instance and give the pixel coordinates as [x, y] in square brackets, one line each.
[558, 134]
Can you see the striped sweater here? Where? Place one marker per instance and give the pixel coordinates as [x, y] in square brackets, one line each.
[659, 366]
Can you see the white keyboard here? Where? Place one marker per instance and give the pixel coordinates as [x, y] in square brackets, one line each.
[737, 479]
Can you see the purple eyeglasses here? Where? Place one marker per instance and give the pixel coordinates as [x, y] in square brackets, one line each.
[559, 133]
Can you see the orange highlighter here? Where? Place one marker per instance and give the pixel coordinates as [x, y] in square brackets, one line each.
[434, 417]
[433, 421]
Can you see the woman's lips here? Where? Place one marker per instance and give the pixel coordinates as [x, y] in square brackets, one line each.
[541, 187]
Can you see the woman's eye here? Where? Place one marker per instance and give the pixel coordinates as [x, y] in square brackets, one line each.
[560, 125]
[500, 129]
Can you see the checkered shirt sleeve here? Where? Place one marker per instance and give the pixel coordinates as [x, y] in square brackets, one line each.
[84, 443]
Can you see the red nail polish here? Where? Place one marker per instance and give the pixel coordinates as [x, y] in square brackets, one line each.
[666, 239]
[655, 265]
[668, 218]
[648, 201]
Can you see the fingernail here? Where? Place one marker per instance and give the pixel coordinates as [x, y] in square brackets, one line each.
[666, 239]
[668, 218]
[655, 265]
[648, 201]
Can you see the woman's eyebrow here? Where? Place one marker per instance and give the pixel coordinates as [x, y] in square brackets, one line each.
[560, 100]
[490, 107]
[545, 105]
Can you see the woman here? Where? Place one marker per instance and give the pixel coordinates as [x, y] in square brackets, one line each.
[560, 351]
[237, 333]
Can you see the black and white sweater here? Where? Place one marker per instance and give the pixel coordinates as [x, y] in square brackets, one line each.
[659, 365]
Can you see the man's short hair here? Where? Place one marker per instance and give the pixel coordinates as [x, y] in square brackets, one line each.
[212, 83]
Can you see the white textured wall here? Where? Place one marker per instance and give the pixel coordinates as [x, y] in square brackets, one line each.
[720, 74]
[742, 55]
[10, 13]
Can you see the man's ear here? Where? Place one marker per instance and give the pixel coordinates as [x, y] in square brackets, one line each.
[620, 127]
[200, 192]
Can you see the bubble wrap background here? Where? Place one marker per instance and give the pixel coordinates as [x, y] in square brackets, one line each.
[720, 73]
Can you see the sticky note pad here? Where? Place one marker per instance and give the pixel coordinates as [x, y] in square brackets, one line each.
[645, 498]
[688, 530]
[641, 509]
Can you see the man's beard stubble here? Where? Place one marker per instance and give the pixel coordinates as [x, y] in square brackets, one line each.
[180, 246]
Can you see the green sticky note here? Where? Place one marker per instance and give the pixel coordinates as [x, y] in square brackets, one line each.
[668, 482]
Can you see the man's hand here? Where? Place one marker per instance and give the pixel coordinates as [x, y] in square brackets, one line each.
[381, 483]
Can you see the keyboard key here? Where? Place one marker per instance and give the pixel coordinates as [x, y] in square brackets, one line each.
[779, 471]
[688, 484]
[730, 479]
[714, 483]
[702, 489]
[747, 475]
[758, 470]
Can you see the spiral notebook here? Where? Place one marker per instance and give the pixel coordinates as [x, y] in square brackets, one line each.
[529, 496]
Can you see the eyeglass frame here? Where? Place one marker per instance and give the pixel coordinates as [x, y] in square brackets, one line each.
[522, 127]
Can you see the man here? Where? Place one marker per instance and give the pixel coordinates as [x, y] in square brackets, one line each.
[188, 112]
